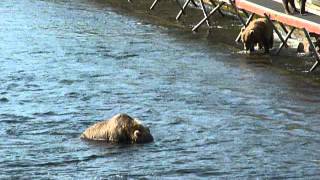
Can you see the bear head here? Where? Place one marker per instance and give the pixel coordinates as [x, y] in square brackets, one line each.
[248, 39]
[140, 134]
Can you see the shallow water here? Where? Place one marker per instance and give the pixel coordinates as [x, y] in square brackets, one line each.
[212, 111]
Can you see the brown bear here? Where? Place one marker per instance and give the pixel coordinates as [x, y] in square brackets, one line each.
[260, 32]
[121, 128]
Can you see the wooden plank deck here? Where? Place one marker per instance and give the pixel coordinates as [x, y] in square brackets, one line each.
[312, 8]
[275, 10]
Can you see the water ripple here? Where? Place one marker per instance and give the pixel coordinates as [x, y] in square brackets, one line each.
[214, 113]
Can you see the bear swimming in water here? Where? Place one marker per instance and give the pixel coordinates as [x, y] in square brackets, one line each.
[260, 32]
[121, 128]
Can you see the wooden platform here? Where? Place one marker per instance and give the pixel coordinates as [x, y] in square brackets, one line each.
[275, 10]
[272, 10]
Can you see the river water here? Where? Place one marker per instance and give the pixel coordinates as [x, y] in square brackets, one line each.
[214, 113]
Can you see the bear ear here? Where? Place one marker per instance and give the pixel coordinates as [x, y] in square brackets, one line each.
[137, 133]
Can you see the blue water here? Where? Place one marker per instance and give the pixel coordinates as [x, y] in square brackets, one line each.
[214, 113]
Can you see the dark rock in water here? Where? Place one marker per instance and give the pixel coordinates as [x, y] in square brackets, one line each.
[300, 48]
[4, 99]
[304, 46]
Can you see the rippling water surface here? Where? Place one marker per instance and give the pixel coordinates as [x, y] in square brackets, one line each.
[213, 112]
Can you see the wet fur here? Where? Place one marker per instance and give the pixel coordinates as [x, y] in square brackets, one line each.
[120, 128]
[260, 32]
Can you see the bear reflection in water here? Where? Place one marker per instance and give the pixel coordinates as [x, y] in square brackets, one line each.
[121, 128]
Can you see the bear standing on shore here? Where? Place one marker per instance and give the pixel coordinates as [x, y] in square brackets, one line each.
[260, 32]
[121, 128]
